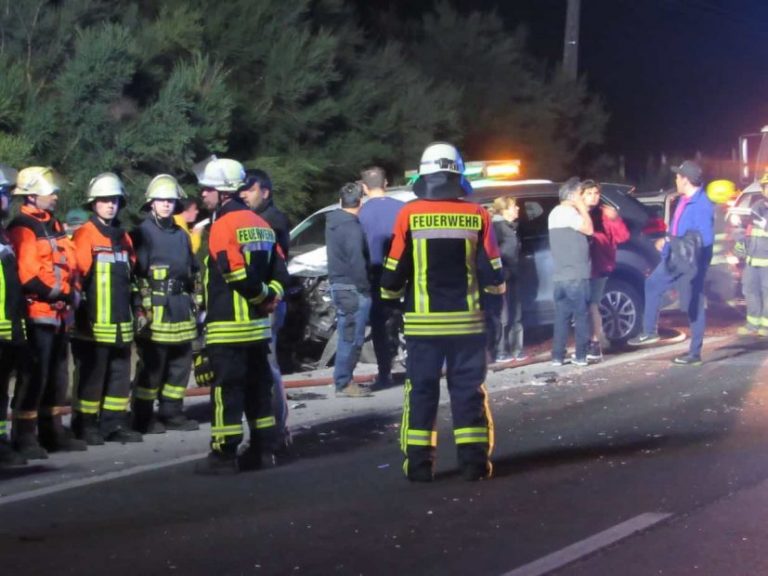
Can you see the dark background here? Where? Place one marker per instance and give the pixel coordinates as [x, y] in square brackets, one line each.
[677, 76]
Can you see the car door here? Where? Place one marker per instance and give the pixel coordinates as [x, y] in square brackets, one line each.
[536, 266]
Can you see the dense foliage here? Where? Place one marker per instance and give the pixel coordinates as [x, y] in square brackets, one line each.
[300, 88]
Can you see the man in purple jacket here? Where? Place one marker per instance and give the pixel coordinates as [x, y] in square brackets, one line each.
[694, 218]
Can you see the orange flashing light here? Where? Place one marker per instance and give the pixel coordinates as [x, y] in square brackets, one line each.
[507, 168]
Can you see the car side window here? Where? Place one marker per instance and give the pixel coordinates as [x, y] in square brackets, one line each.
[311, 232]
[534, 215]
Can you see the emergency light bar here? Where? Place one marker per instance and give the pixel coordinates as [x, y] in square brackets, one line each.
[481, 169]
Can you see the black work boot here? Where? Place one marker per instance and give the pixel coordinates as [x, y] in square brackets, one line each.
[420, 471]
[86, 428]
[179, 422]
[114, 428]
[56, 438]
[476, 471]
[218, 464]
[144, 421]
[8, 456]
[24, 440]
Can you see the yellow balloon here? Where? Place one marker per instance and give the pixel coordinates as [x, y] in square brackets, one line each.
[720, 191]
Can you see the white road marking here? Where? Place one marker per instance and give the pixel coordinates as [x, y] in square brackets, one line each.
[30, 494]
[589, 545]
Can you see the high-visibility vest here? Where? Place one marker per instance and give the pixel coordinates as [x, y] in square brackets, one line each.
[12, 305]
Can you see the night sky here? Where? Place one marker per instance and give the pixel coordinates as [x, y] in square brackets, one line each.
[678, 76]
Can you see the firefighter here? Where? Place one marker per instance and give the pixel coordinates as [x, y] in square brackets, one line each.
[166, 270]
[443, 254]
[245, 275]
[48, 274]
[104, 321]
[12, 333]
[756, 271]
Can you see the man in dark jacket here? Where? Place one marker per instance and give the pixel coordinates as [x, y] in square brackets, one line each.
[257, 195]
[350, 288]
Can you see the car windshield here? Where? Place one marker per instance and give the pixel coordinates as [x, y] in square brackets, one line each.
[309, 235]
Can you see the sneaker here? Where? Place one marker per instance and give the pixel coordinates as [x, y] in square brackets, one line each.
[217, 464]
[687, 360]
[644, 339]
[557, 362]
[353, 390]
[747, 331]
[503, 358]
[520, 357]
[594, 352]
[579, 361]
[180, 422]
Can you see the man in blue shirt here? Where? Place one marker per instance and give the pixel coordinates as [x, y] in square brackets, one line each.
[377, 217]
[694, 219]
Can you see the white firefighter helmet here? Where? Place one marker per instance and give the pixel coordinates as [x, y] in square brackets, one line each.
[37, 181]
[222, 174]
[440, 157]
[8, 175]
[105, 185]
[164, 187]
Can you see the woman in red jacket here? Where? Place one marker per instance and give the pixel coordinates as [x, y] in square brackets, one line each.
[609, 232]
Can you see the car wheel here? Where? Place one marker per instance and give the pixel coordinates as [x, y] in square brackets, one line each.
[622, 310]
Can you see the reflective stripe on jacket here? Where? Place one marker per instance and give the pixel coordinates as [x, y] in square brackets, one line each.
[105, 258]
[47, 265]
[443, 254]
[244, 270]
[12, 305]
[165, 269]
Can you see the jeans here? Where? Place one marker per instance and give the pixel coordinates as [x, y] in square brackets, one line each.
[691, 301]
[279, 401]
[503, 317]
[571, 300]
[352, 310]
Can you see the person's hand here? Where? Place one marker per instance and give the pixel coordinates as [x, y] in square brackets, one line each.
[269, 307]
[659, 244]
[610, 212]
[200, 226]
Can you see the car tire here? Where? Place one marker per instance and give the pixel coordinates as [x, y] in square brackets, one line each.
[622, 310]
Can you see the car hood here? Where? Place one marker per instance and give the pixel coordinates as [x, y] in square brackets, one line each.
[309, 264]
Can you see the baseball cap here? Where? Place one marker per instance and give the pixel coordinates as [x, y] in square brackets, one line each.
[691, 170]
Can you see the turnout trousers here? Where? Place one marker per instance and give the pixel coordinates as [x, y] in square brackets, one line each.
[465, 361]
[242, 384]
[10, 354]
[755, 284]
[162, 374]
[44, 375]
[103, 384]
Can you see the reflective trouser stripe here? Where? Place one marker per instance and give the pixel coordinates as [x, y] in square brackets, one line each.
[406, 413]
[220, 431]
[478, 435]
[266, 422]
[421, 438]
[173, 392]
[148, 394]
[86, 406]
[115, 404]
[3, 427]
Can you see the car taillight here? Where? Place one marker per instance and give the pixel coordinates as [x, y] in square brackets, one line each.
[655, 226]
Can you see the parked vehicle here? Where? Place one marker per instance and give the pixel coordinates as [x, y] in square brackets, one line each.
[310, 325]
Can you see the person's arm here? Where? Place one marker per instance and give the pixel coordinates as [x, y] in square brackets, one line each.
[490, 273]
[614, 225]
[579, 219]
[398, 263]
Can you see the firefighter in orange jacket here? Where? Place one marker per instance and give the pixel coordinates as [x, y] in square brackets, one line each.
[443, 254]
[48, 274]
[104, 320]
[245, 274]
[12, 313]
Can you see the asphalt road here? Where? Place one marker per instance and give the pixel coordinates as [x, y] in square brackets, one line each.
[578, 459]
